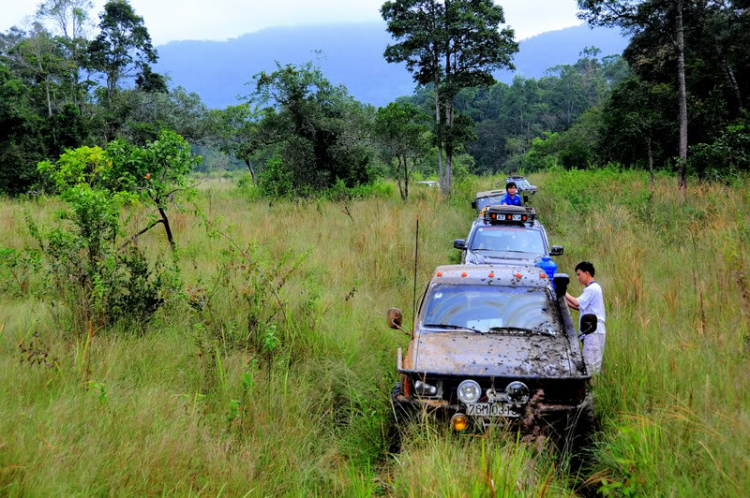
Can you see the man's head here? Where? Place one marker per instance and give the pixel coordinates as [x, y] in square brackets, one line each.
[585, 272]
[511, 188]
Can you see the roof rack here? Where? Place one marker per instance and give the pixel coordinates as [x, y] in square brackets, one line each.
[509, 214]
[490, 193]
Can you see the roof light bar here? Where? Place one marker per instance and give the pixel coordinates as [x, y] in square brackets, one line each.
[509, 214]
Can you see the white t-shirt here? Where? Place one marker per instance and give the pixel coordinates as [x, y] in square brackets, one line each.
[591, 302]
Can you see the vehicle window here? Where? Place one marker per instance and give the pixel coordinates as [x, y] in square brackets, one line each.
[484, 307]
[510, 239]
[483, 202]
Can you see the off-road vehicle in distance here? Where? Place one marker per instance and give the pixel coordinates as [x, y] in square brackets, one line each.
[494, 344]
[524, 186]
[487, 198]
[506, 235]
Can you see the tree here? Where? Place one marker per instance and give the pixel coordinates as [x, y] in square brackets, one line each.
[312, 130]
[156, 172]
[122, 47]
[636, 124]
[21, 144]
[453, 44]
[145, 114]
[665, 16]
[238, 132]
[400, 129]
[72, 19]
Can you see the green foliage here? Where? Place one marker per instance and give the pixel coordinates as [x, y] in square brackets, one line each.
[240, 134]
[99, 285]
[574, 148]
[141, 291]
[21, 146]
[640, 121]
[87, 165]
[314, 131]
[18, 267]
[727, 156]
[507, 118]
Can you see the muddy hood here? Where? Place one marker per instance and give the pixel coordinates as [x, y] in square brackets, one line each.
[493, 355]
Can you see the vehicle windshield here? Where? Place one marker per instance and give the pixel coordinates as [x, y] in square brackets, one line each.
[507, 238]
[489, 309]
[522, 184]
[483, 202]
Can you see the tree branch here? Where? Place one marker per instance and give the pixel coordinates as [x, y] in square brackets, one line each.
[132, 239]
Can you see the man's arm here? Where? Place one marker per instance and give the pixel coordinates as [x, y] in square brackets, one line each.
[572, 301]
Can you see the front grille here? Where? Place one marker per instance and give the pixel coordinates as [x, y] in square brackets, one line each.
[563, 392]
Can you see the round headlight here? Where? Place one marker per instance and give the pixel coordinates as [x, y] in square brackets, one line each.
[469, 391]
[518, 393]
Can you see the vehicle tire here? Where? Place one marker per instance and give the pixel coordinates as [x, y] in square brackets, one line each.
[401, 410]
[584, 426]
[401, 415]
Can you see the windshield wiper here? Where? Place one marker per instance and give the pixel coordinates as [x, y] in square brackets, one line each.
[452, 327]
[510, 329]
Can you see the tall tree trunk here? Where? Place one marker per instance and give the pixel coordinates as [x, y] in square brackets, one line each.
[682, 182]
[439, 137]
[733, 82]
[406, 177]
[449, 149]
[398, 176]
[252, 170]
[650, 162]
[167, 228]
[46, 88]
[448, 105]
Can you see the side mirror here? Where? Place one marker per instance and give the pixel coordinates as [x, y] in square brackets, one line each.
[588, 324]
[459, 244]
[394, 318]
[474, 204]
[556, 251]
[525, 199]
[561, 283]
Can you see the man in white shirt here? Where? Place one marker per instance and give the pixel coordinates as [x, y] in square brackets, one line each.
[591, 302]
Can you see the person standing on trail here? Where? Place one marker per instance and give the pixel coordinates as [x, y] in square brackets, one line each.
[510, 198]
[591, 302]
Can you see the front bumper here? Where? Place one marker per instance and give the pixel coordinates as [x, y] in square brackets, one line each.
[534, 408]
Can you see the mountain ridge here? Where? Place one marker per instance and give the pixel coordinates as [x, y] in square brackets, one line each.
[352, 55]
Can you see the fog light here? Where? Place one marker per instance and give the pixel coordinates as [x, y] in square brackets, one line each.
[518, 393]
[469, 391]
[459, 422]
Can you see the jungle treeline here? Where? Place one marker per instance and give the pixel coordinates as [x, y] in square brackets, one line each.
[75, 77]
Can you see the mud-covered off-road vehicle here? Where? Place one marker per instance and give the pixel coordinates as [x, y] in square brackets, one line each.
[493, 344]
[506, 235]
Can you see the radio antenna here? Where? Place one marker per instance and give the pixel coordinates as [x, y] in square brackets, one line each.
[416, 262]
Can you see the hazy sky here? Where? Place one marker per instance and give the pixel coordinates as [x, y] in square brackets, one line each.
[169, 20]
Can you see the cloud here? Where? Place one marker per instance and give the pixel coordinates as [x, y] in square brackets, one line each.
[169, 20]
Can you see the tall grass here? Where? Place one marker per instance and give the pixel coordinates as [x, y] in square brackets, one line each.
[181, 411]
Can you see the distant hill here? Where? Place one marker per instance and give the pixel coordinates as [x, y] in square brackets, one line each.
[352, 54]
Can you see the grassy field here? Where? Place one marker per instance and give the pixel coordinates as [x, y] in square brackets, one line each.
[233, 390]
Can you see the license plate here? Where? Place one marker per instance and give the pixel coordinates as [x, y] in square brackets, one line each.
[490, 410]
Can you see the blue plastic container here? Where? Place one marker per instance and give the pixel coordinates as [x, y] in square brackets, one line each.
[549, 267]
